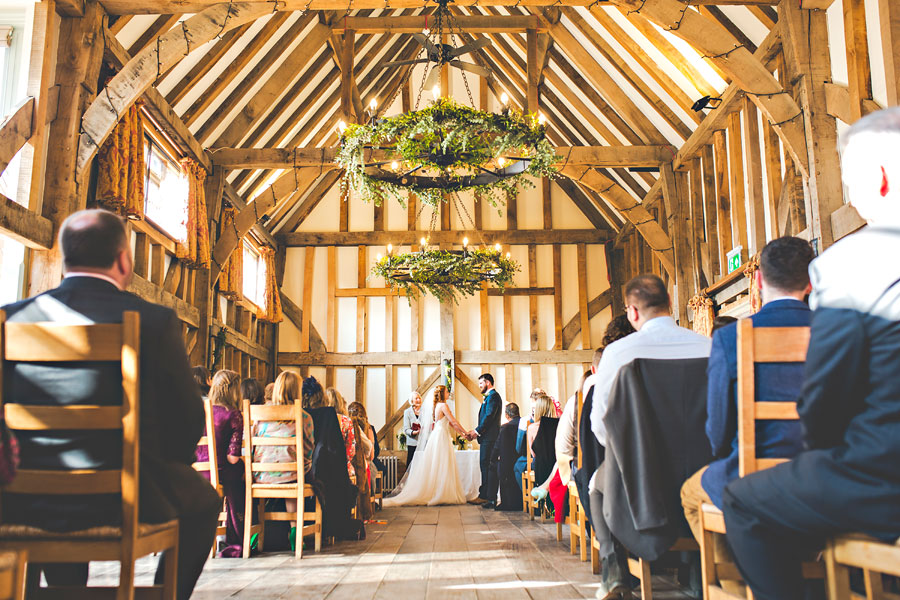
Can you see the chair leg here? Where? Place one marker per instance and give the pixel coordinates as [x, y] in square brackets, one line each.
[248, 520]
[559, 536]
[707, 559]
[646, 583]
[837, 577]
[582, 536]
[318, 521]
[262, 523]
[126, 579]
[595, 558]
[170, 582]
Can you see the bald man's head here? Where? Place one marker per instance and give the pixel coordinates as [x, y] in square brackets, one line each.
[92, 239]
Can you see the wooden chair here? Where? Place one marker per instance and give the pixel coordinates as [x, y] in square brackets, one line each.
[58, 343]
[754, 345]
[309, 522]
[12, 575]
[577, 518]
[212, 467]
[532, 505]
[862, 552]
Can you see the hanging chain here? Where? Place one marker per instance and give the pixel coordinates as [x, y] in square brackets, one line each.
[454, 25]
[462, 210]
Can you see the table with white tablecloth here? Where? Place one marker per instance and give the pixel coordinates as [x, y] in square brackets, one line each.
[469, 468]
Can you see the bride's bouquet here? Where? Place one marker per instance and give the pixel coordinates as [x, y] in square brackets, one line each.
[460, 442]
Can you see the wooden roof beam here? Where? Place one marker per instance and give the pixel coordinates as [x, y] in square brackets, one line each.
[513, 237]
[155, 7]
[198, 71]
[415, 24]
[287, 158]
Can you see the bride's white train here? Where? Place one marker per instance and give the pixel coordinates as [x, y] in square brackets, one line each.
[433, 476]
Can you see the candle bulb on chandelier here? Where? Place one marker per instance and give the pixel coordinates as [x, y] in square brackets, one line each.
[395, 165]
[342, 126]
[542, 119]
[436, 92]
[504, 98]
[390, 249]
[497, 247]
[373, 104]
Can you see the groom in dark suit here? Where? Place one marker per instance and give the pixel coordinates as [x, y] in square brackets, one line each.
[487, 431]
[99, 266]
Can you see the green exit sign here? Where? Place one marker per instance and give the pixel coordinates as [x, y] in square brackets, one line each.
[734, 259]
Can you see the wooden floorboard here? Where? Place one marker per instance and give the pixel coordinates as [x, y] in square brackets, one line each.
[429, 553]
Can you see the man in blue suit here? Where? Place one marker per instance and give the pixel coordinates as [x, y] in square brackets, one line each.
[849, 477]
[487, 431]
[783, 279]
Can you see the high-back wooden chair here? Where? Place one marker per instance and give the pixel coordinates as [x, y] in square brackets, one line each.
[12, 575]
[211, 466]
[860, 551]
[58, 343]
[577, 519]
[754, 345]
[531, 505]
[309, 522]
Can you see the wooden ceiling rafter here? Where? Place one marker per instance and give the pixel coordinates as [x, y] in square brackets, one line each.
[161, 25]
[325, 128]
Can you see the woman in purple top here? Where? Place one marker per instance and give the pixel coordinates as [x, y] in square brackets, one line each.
[225, 397]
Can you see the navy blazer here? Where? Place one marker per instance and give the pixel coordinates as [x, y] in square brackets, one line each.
[489, 416]
[775, 382]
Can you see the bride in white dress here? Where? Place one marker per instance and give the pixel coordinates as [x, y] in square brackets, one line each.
[433, 477]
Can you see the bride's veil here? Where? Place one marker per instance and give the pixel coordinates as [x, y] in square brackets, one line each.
[426, 422]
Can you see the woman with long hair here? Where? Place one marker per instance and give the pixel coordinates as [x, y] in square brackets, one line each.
[433, 477]
[365, 451]
[252, 390]
[228, 430]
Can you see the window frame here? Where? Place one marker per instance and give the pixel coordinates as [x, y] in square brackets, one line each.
[170, 153]
[248, 243]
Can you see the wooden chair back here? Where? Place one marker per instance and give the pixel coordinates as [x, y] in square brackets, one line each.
[757, 345]
[209, 440]
[58, 343]
[578, 406]
[256, 413]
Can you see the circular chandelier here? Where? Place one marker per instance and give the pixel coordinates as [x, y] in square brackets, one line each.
[443, 149]
[446, 274]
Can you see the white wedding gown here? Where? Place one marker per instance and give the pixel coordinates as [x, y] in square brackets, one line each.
[433, 477]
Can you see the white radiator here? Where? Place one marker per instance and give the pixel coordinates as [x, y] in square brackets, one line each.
[391, 470]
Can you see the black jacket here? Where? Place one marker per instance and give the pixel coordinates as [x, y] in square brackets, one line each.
[329, 471]
[655, 423]
[171, 416]
[850, 405]
[503, 457]
[489, 417]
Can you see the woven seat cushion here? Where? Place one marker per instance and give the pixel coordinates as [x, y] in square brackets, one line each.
[26, 532]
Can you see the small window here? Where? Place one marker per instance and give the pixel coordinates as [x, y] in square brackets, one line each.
[12, 269]
[254, 275]
[165, 191]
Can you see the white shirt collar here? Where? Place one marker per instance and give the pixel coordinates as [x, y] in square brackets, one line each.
[664, 321]
[94, 275]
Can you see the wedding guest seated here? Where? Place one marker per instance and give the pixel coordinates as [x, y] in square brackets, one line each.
[521, 443]
[203, 378]
[848, 479]
[783, 280]
[252, 390]
[412, 425]
[542, 437]
[721, 321]
[503, 458]
[98, 268]
[367, 442]
[267, 393]
[648, 309]
[337, 495]
[334, 399]
[228, 425]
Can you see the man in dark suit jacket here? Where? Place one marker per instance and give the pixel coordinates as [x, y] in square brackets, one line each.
[98, 265]
[503, 459]
[849, 478]
[487, 431]
[783, 279]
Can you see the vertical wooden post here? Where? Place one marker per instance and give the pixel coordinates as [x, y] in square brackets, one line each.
[390, 399]
[889, 19]
[308, 267]
[716, 258]
[736, 164]
[757, 215]
[533, 70]
[676, 211]
[808, 61]
[533, 313]
[447, 345]
[773, 177]
[78, 60]
[362, 333]
[583, 297]
[346, 66]
[723, 197]
[857, 45]
[696, 226]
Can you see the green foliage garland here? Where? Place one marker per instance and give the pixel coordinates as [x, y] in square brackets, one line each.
[450, 141]
[445, 274]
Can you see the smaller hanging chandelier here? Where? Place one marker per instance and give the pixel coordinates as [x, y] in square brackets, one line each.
[445, 274]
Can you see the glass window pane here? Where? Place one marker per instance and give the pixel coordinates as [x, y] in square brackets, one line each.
[166, 193]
